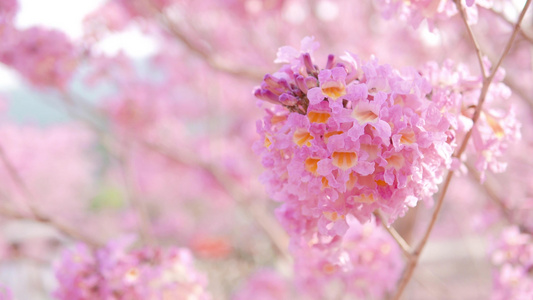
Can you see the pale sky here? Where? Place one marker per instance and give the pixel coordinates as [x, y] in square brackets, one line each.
[67, 16]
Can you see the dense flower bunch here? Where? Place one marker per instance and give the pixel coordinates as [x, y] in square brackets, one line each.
[113, 272]
[348, 139]
[456, 92]
[513, 257]
[366, 263]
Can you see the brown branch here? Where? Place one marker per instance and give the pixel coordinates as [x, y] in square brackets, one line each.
[472, 37]
[509, 44]
[415, 254]
[521, 30]
[406, 249]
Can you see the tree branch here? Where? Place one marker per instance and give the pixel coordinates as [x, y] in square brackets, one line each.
[521, 30]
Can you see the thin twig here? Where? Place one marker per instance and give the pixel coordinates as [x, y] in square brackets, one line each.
[507, 48]
[406, 249]
[415, 255]
[472, 37]
[207, 56]
[522, 32]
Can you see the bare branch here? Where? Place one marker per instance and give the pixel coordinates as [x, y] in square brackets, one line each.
[406, 249]
[521, 30]
[415, 255]
[473, 39]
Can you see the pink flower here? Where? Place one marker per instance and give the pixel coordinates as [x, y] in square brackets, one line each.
[361, 137]
[288, 54]
[114, 272]
[365, 264]
[512, 256]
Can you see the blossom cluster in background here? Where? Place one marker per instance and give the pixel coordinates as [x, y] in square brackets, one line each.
[366, 263]
[512, 254]
[456, 91]
[115, 273]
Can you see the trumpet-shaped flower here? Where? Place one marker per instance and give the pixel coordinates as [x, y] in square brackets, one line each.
[354, 137]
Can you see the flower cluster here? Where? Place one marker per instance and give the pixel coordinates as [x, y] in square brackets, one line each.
[367, 263]
[457, 92]
[513, 257]
[113, 272]
[348, 139]
[44, 57]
